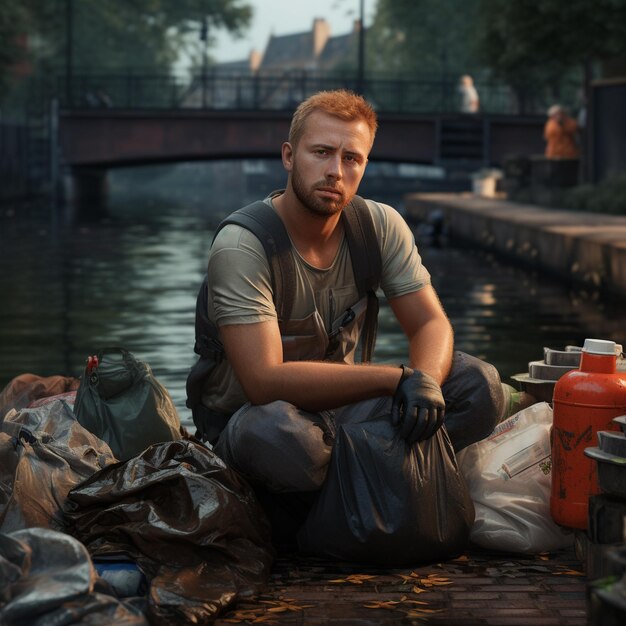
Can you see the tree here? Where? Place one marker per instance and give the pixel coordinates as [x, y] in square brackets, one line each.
[13, 20]
[535, 44]
[118, 35]
[421, 37]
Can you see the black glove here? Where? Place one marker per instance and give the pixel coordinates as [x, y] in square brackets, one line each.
[418, 405]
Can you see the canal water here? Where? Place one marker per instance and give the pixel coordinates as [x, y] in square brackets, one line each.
[71, 287]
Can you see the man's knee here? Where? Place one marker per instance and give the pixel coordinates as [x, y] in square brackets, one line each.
[475, 400]
[277, 445]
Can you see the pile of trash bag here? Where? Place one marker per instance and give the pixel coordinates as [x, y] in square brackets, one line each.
[202, 538]
[191, 526]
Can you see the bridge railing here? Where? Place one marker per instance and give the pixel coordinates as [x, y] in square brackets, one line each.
[269, 91]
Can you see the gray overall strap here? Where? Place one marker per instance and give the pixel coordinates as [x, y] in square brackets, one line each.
[363, 245]
[366, 266]
[268, 228]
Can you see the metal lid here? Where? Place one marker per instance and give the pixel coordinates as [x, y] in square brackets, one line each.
[599, 346]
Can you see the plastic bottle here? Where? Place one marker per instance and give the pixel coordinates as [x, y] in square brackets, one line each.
[585, 401]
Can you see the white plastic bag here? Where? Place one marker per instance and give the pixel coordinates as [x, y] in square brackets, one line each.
[509, 477]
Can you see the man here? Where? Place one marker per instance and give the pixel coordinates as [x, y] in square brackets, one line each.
[561, 134]
[470, 102]
[279, 381]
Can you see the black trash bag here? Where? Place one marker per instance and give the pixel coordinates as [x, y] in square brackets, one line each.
[47, 577]
[384, 502]
[26, 389]
[121, 401]
[191, 524]
[44, 452]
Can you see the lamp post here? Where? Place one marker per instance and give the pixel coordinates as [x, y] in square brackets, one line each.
[204, 36]
[361, 60]
[69, 50]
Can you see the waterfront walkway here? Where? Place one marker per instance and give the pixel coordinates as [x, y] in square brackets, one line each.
[586, 248]
[476, 589]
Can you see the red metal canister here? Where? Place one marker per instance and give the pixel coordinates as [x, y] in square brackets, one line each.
[585, 401]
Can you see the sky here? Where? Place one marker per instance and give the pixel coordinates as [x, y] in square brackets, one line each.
[283, 17]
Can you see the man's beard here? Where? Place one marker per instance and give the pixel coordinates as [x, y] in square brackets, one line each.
[322, 207]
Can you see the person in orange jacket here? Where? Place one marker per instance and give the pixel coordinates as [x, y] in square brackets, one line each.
[560, 133]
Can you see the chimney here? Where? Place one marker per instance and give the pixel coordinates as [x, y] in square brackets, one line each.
[321, 33]
[254, 60]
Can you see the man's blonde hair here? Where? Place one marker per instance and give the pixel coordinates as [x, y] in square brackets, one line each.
[341, 103]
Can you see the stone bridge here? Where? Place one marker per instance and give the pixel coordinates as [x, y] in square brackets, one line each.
[92, 141]
[105, 138]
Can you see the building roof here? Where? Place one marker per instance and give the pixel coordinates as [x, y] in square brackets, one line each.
[309, 50]
[338, 50]
[294, 50]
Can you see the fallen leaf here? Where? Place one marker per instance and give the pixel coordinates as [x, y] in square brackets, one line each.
[383, 604]
[359, 578]
[569, 572]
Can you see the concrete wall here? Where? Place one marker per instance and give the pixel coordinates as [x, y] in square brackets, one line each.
[585, 248]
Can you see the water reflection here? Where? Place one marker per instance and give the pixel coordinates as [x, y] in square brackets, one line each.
[70, 290]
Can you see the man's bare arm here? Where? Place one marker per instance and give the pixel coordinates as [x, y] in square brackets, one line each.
[255, 353]
[428, 331]
[418, 405]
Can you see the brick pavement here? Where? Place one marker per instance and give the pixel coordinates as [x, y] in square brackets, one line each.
[476, 589]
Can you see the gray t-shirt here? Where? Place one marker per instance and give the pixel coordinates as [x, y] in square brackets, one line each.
[240, 286]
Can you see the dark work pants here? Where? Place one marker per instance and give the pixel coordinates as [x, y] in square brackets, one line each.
[286, 449]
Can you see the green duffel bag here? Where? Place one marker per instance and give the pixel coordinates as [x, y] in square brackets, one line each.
[120, 401]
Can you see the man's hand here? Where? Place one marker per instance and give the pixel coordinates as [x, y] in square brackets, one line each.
[418, 404]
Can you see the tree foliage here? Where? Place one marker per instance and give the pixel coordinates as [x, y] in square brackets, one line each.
[13, 21]
[536, 48]
[113, 35]
[422, 37]
[527, 42]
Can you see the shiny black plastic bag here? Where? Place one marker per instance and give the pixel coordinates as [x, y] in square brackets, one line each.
[385, 502]
[191, 524]
[44, 452]
[121, 401]
[27, 390]
[47, 578]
